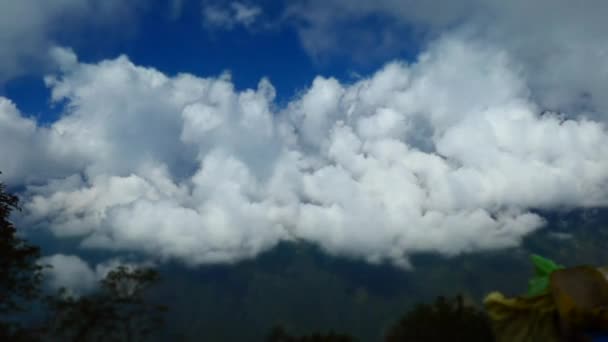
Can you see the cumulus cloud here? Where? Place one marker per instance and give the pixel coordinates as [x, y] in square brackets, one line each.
[32, 153]
[28, 29]
[74, 274]
[561, 45]
[449, 154]
[230, 15]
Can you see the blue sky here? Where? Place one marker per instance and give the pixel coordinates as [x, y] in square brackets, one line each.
[373, 129]
[183, 44]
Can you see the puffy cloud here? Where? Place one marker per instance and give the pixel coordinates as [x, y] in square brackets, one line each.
[32, 153]
[449, 154]
[70, 272]
[74, 274]
[560, 45]
[201, 125]
[229, 16]
[28, 28]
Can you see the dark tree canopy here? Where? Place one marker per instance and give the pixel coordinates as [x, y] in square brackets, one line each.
[118, 311]
[20, 273]
[279, 334]
[445, 320]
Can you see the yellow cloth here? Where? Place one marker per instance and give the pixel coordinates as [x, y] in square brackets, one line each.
[577, 301]
[523, 319]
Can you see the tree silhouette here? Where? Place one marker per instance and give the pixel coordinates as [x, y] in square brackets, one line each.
[20, 274]
[445, 320]
[279, 334]
[118, 311]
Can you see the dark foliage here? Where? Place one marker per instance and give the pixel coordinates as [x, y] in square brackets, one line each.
[279, 334]
[445, 320]
[118, 311]
[20, 274]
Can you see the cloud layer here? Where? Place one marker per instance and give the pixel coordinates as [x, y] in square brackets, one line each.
[449, 154]
[229, 16]
[29, 28]
[560, 45]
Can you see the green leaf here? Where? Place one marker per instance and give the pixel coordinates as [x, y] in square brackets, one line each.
[543, 268]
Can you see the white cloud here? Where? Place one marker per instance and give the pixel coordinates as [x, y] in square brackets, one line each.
[77, 276]
[245, 14]
[230, 15]
[28, 28]
[74, 274]
[560, 45]
[32, 153]
[70, 272]
[448, 154]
